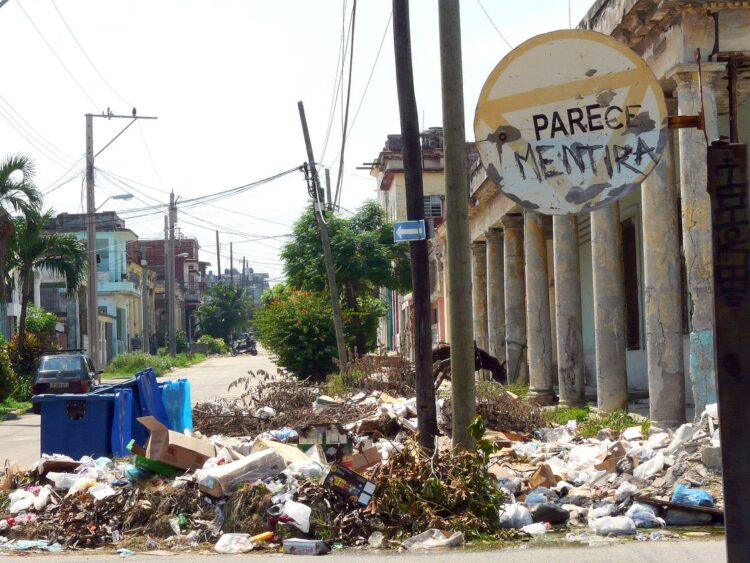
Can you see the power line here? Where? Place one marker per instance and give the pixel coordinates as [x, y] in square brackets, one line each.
[54, 186]
[73, 35]
[85, 93]
[348, 99]
[150, 156]
[48, 154]
[493, 25]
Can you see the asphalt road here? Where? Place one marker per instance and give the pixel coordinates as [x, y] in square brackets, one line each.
[20, 439]
[629, 551]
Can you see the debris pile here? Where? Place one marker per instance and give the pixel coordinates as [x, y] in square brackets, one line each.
[285, 465]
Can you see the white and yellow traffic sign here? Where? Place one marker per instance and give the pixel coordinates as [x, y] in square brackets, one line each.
[570, 121]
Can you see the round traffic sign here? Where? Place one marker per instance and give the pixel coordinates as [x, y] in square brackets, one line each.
[570, 121]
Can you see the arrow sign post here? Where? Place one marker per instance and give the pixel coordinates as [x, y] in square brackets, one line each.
[405, 231]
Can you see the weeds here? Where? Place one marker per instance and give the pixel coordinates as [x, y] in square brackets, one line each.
[616, 420]
[561, 415]
[127, 365]
[10, 405]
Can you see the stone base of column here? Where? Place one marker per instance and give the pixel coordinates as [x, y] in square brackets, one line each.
[574, 402]
[542, 397]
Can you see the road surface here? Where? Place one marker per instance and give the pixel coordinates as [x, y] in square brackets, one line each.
[20, 439]
[630, 551]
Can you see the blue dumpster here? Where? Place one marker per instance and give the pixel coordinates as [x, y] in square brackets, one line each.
[176, 398]
[76, 425]
[122, 422]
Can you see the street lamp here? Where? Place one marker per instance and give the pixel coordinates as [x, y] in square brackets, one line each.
[125, 196]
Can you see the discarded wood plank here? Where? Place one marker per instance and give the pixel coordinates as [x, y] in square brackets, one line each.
[679, 505]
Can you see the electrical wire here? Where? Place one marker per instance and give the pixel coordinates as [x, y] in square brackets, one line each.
[338, 77]
[493, 25]
[83, 51]
[54, 186]
[348, 100]
[150, 156]
[49, 155]
[85, 93]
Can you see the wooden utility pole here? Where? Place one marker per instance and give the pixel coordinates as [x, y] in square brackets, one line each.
[338, 323]
[218, 258]
[457, 221]
[172, 281]
[420, 267]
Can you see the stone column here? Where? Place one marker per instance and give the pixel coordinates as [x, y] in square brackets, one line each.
[538, 330]
[479, 292]
[696, 224]
[515, 298]
[609, 309]
[662, 295]
[446, 301]
[495, 294]
[568, 314]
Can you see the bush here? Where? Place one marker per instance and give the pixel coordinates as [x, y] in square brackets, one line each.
[7, 376]
[215, 345]
[40, 322]
[22, 389]
[25, 365]
[133, 362]
[181, 341]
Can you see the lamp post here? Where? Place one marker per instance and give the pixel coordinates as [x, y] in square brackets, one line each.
[171, 310]
[125, 196]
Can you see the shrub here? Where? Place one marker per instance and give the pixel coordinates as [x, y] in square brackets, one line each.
[40, 322]
[25, 365]
[181, 341]
[22, 389]
[133, 362]
[7, 376]
[215, 345]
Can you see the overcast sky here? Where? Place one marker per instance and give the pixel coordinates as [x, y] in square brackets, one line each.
[224, 78]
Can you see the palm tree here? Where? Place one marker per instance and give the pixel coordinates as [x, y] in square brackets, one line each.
[32, 249]
[17, 193]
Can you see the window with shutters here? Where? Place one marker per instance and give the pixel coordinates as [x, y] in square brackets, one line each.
[433, 206]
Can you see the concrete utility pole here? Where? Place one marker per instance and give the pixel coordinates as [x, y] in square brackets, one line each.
[92, 309]
[420, 267]
[329, 201]
[457, 220]
[338, 323]
[218, 258]
[231, 263]
[171, 316]
[146, 314]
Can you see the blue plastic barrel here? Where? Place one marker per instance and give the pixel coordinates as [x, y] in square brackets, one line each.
[122, 422]
[76, 425]
[176, 399]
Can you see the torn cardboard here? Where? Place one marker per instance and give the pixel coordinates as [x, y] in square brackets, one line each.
[220, 480]
[173, 448]
[289, 453]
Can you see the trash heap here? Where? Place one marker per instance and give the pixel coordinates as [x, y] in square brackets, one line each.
[285, 465]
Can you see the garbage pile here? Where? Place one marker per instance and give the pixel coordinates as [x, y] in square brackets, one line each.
[286, 466]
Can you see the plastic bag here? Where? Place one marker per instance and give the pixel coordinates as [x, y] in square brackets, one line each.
[41, 499]
[625, 491]
[644, 516]
[612, 526]
[538, 529]
[606, 509]
[306, 470]
[20, 501]
[63, 480]
[650, 468]
[234, 543]
[694, 497]
[434, 538]
[515, 516]
[300, 513]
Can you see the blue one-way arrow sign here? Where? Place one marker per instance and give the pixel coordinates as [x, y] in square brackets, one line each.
[404, 231]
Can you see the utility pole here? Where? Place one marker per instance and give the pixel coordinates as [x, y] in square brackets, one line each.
[144, 297]
[171, 316]
[92, 308]
[457, 221]
[338, 323]
[329, 199]
[231, 263]
[420, 267]
[243, 278]
[218, 258]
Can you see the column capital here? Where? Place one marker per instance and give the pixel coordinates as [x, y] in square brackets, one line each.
[478, 247]
[512, 221]
[686, 75]
[494, 235]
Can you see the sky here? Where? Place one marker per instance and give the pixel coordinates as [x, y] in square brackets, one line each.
[224, 78]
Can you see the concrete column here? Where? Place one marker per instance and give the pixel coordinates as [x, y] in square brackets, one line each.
[515, 298]
[538, 330]
[495, 294]
[37, 294]
[446, 301]
[663, 295]
[696, 225]
[479, 292]
[609, 309]
[568, 319]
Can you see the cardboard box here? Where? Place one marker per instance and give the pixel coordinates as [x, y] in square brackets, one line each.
[349, 484]
[333, 440]
[289, 453]
[295, 546]
[366, 458]
[173, 448]
[221, 480]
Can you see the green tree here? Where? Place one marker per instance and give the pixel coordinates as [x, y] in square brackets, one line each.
[365, 259]
[19, 194]
[32, 249]
[227, 308]
[40, 322]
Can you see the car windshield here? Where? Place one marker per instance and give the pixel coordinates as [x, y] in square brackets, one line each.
[61, 364]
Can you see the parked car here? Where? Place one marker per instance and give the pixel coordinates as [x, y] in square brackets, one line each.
[65, 371]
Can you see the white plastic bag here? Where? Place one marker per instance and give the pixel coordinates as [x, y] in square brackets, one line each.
[306, 470]
[625, 491]
[41, 499]
[681, 435]
[434, 538]
[612, 526]
[602, 511]
[300, 513]
[233, 543]
[644, 516]
[538, 529]
[20, 501]
[514, 516]
[651, 467]
[102, 490]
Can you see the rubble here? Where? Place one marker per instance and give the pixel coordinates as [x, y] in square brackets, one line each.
[292, 466]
